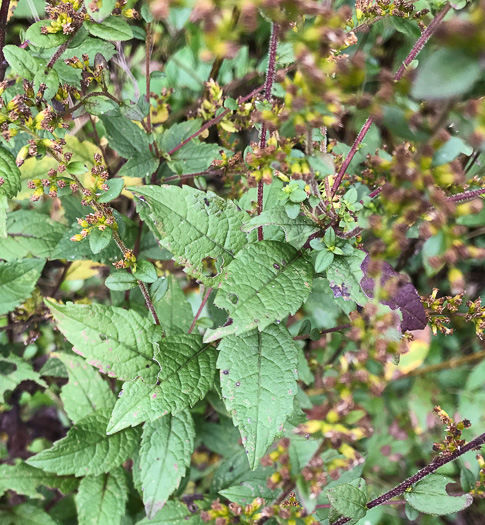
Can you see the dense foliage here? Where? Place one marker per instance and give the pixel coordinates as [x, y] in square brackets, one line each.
[241, 262]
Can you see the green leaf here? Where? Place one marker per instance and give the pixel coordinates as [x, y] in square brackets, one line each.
[173, 310]
[77, 168]
[296, 230]
[430, 497]
[348, 501]
[17, 282]
[266, 281]
[27, 514]
[446, 73]
[298, 196]
[173, 513]
[3, 219]
[124, 136]
[50, 78]
[36, 38]
[30, 233]
[450, 150]
[193, 225]
[90, 46]
[25, 480]
[21, 61]
[86, 391]
[159, 289]
[188, 369]
[344, 276]
[98, 105]
[112, 28]
[258, 382]
[140, 165]
[101, 500]
[115, 188]
[121, 280]
[9, 174]
[103, 9]
[87, 450]
[177, 133]
[14, 370]
[166, 447]
[193, 157]
[323, 260]
[145, 271]
[118, 342]
[99, 239]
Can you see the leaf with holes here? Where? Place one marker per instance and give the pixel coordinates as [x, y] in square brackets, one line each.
[258, 382]
[266, 281]
[101, 500]
[87, 450]
[121, 343]
[86, 391]
[187, 374]
[166, 448]
[296, 230]
[194, 225]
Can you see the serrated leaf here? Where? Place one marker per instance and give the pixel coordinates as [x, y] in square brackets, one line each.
[25, 480]
[296, 230]
[258, 382]
[173, 309]
[173, 513]
[103, 9]
[17, 281]
[344, 276]
[86, 391]
[9, 174]
[36, 38]
[13, 371]
[140, 165]
[177, 133]
[187, 374]
[111, 28]
[266, 281]
[145, 271]
[30, 233]
[193, 157]
[166, 447]
[124, 136]
[245, 493]
[101, 500]
[87, 450]
[348, 501]
[21, 61]
[430, 497]
[120, 281]
[118, 342]
[194, 225]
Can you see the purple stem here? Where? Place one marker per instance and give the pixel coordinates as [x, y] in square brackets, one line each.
[418, 46]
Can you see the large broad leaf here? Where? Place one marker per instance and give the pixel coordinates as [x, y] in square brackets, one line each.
[101, 500]
[17, 282]
[258, 381]
[21, 61]
[177, 133]
[430, 496]
[166, 447]
[140, 165]
[121, 343]
[25, 480]
[9, 174]
[193, 225]
[446, 73]
[86, 391]
[30, 233]
[173, 309]
[194, 157]
[14, 370]
[344, 275]
[173, 513]
[87, 450]
[348, 500]
[296, 230]
[187, 374]
[124, 136]
[404, 296]
[266, 281]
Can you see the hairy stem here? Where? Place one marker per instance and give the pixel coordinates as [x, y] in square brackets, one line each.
[418, 46]
[426, 471]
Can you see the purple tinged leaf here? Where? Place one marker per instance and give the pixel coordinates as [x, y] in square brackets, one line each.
[405, 298]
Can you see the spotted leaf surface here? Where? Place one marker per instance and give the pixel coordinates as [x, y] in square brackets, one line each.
[258, 381]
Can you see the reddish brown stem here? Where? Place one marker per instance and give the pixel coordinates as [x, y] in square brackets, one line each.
[201, 307]
[3, 30]
[418, 46]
